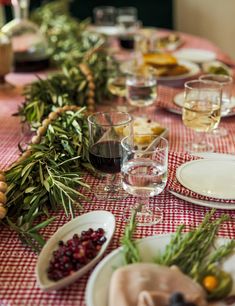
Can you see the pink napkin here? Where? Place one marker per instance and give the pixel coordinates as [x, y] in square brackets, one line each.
[176, 160]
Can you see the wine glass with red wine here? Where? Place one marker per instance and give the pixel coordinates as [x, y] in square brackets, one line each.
[106, 130]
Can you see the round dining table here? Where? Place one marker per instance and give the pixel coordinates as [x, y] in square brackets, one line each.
[18, 284]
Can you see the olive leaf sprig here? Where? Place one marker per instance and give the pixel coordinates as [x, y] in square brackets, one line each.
[66, 36]
[48, 178]
[69, 46]
[64, 88]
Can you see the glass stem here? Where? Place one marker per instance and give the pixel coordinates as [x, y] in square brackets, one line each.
[20, 9]
[142, 204]
[110, 183]
[200, 138]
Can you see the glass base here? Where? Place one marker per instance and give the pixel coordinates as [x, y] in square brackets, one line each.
[146, 216]
[109, 192]
[199, 147]
[220, 132]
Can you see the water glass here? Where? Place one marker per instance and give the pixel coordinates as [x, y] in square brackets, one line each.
[144, 173]
[141, 88]
[128, 26]
[105, 15]
[126, 17]
[201, 112]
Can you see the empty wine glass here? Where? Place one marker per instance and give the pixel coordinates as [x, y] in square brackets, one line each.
[144, 173]
[226, 82]
[141, 88]
[106, 130]
[201, 112]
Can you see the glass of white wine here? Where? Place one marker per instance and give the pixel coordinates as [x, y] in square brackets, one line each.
[226, 82]
[117, 87]
[141, 88]
[201, 112]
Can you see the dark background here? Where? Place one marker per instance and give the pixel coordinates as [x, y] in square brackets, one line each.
[157, 13]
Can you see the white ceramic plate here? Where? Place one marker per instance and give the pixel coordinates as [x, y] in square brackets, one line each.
[209, 177]
[179, 101]
[105, 30]
[209, 204]
[95, 219]
[98, 284]
[195, 55]
[193, 68]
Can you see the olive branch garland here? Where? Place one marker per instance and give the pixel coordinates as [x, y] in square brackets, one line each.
[45, 176]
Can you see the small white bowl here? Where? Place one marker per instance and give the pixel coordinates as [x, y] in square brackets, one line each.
[95, 219]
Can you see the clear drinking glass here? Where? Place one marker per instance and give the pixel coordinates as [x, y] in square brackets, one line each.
[201, 112]
[105, 15]
[144, 173]
[128, 26]
[226, 82]
[106, 130]
[141, 88]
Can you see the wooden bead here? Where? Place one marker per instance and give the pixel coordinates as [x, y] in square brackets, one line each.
[46, 122]
[3, 212]
[53, 116]
[59, 110]
[90, 101]
[3, 187]
[2, 178]
[89, 78]
[36, 139]
[90, 108]
[91, 85]
[26, 154]
[66, 107]
[3, 198]
[91, 94]
[41, 130]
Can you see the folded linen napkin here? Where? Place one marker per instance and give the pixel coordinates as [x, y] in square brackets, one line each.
[176, 160]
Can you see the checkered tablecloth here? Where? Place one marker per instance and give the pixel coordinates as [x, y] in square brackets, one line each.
[17, 263]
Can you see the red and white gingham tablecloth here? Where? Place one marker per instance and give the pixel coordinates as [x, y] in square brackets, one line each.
[17, 263]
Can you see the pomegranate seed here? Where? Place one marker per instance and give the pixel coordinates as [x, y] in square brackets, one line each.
[75, 253]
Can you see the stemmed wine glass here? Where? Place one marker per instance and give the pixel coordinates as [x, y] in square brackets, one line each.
[144, 173]
[201, 112]
[106, 130]
[226, 82]
[141, 88]
[117, 87]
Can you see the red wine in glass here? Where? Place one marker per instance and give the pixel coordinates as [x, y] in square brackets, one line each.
[105, 156]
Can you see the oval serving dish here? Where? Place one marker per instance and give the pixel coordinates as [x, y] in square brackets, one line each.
[95, 220]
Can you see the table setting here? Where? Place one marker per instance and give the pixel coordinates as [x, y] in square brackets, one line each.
[117, 163]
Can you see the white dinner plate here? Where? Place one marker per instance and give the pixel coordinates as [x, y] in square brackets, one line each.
[210, 204]
[195, 55]
[204, 203]
[95, 219]
[105, 30]
[193, 68]
[209, 177]
[98, 284]
[179, 101]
